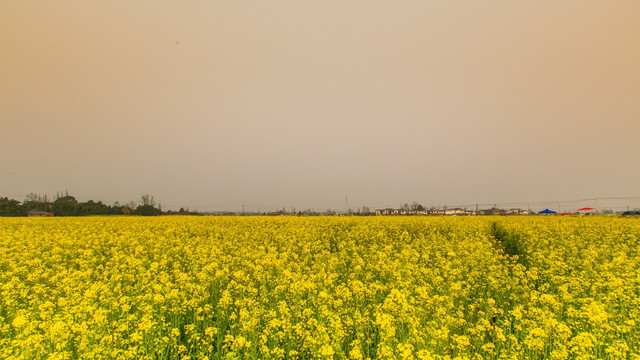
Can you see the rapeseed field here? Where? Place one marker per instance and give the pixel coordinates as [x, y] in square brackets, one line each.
[320, 288]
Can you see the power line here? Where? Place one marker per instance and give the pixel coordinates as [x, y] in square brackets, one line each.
[555, 202]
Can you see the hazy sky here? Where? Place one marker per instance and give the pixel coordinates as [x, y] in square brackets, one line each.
[212, 104]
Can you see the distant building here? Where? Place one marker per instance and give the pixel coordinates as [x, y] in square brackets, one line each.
[390, 211]
[455, 211]
[492, 211]
[515, 211]
[39, 213]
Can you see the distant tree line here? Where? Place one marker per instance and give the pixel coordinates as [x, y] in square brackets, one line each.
[415, 206]
[67, 205]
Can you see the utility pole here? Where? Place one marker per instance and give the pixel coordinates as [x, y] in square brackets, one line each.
[346, 204]
[242, 209]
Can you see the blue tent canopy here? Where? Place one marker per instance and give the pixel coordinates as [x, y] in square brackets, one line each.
[546, 211]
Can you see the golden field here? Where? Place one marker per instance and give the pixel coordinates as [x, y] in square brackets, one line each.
[320, 288]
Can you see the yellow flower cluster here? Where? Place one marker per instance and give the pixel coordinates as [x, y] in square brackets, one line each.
[319, 288]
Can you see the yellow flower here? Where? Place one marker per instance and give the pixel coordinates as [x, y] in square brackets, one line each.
[326, 350]
[19, 321]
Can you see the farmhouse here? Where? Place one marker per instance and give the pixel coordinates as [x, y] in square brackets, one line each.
[39, 213]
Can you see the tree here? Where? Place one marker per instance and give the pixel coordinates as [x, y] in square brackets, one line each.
[417, 206]
[64, 206]
[146, 210]
[36, 202]
[92, 208]
[10, 207]
[132, 204]
[116, 209]
[147, 207]
[147, 200]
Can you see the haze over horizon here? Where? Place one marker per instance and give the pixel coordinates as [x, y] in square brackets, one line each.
[211, 105]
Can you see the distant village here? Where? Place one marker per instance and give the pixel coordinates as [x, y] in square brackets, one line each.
[497, 211]
[452, 211]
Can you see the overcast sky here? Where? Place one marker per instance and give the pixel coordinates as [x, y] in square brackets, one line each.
[289, 103]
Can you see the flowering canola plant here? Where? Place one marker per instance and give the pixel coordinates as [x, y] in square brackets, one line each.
[319, 288]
